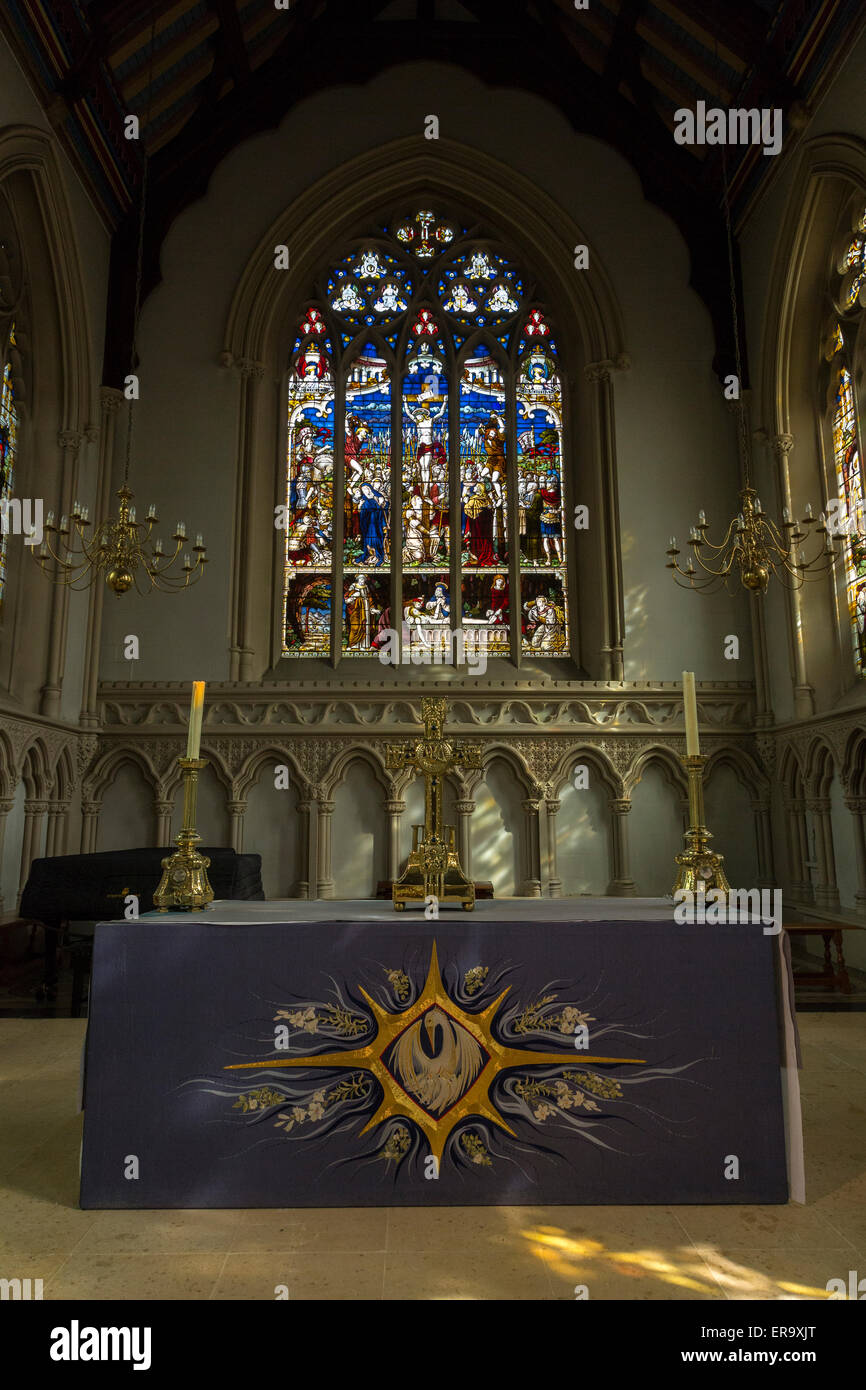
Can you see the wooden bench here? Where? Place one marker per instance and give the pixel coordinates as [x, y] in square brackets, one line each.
[831, 975]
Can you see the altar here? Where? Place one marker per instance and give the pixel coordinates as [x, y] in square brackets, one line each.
[289, 1054]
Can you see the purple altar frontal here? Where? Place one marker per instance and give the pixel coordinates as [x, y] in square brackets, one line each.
[292, 1054]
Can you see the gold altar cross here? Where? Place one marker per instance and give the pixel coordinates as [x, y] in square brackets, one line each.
[433, 867]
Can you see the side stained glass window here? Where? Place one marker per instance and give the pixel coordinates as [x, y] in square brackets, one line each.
[850, 299]
[849, 478]
[434, 507]
[8, 450]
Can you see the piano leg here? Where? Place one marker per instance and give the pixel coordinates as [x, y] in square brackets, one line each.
[48, 989]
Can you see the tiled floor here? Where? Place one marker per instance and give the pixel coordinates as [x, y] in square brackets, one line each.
[467, 1253]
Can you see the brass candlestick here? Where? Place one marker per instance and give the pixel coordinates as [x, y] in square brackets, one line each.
[184, 885]
[698, 864]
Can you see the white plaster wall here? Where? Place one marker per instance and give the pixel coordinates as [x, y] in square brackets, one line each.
[655, 834]
[498, 830]
[359, 853]
[674, 437]
[271, 829]
[126, 820]
[582, 840]
[843, 845]
[732, 823]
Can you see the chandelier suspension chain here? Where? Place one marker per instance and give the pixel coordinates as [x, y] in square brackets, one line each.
[133, 360]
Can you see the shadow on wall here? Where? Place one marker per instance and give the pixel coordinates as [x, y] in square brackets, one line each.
[582, 839]
[359, 856]
[655, 833]
[497, 830]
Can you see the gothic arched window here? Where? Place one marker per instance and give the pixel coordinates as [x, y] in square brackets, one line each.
[424, 507]
[849, 299]
[8, 447]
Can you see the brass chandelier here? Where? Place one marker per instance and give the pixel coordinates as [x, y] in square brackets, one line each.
[754, 546]
[121, 549]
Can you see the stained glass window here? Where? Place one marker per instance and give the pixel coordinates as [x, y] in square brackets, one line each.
[423, 340]
[849, 478]
[850, 297]
[8, 449]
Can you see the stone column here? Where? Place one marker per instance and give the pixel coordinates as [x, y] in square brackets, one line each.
[531, 887]
[111, 401]
[304, 812]
[764, 839]
[241, 654]
[325, 883]
[54, 831]
[89, 825]
[610, 570]
[34, 814]
[5, 807]
[857, 806]
[802, 832]
[464, 809]
[826, 890]
[804, 694]
[237, 809]
[552, 805]
[69, 442]
[621, 885]
[395, 808]
[163, 812]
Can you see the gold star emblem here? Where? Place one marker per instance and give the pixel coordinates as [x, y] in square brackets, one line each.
[480, 1059]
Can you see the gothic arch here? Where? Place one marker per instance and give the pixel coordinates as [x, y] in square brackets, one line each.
[260, 330]
[564, 770]
[248, 774]
[825, 157]
[743, 766]
[104, 770]
[341, 764]
[821, 765]
[668, 762]
[58, 400]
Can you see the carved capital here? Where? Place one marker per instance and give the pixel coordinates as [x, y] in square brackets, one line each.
[531, 805]
[91, 808]
[69, 439]
[395, 807]
[619, 805]
[856, 805]
[250, 368]
[782, 444]
[553, 804]
[597, 371]
[818, 805]
[110, 399]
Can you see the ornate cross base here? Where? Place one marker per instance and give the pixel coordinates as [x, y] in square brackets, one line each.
[433, 870]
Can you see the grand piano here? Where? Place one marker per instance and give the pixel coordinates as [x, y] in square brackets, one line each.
[87, 888]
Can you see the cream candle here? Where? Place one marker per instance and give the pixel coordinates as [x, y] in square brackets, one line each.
[196, 711]
[690, 705]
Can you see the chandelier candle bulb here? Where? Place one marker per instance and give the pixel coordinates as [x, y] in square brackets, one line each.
[132, 515]
[49, 523]
[786, 516]
[64, 525]
[199, 543]
[196, 711]
[808, 511]
[690, 707]
[702, 518]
